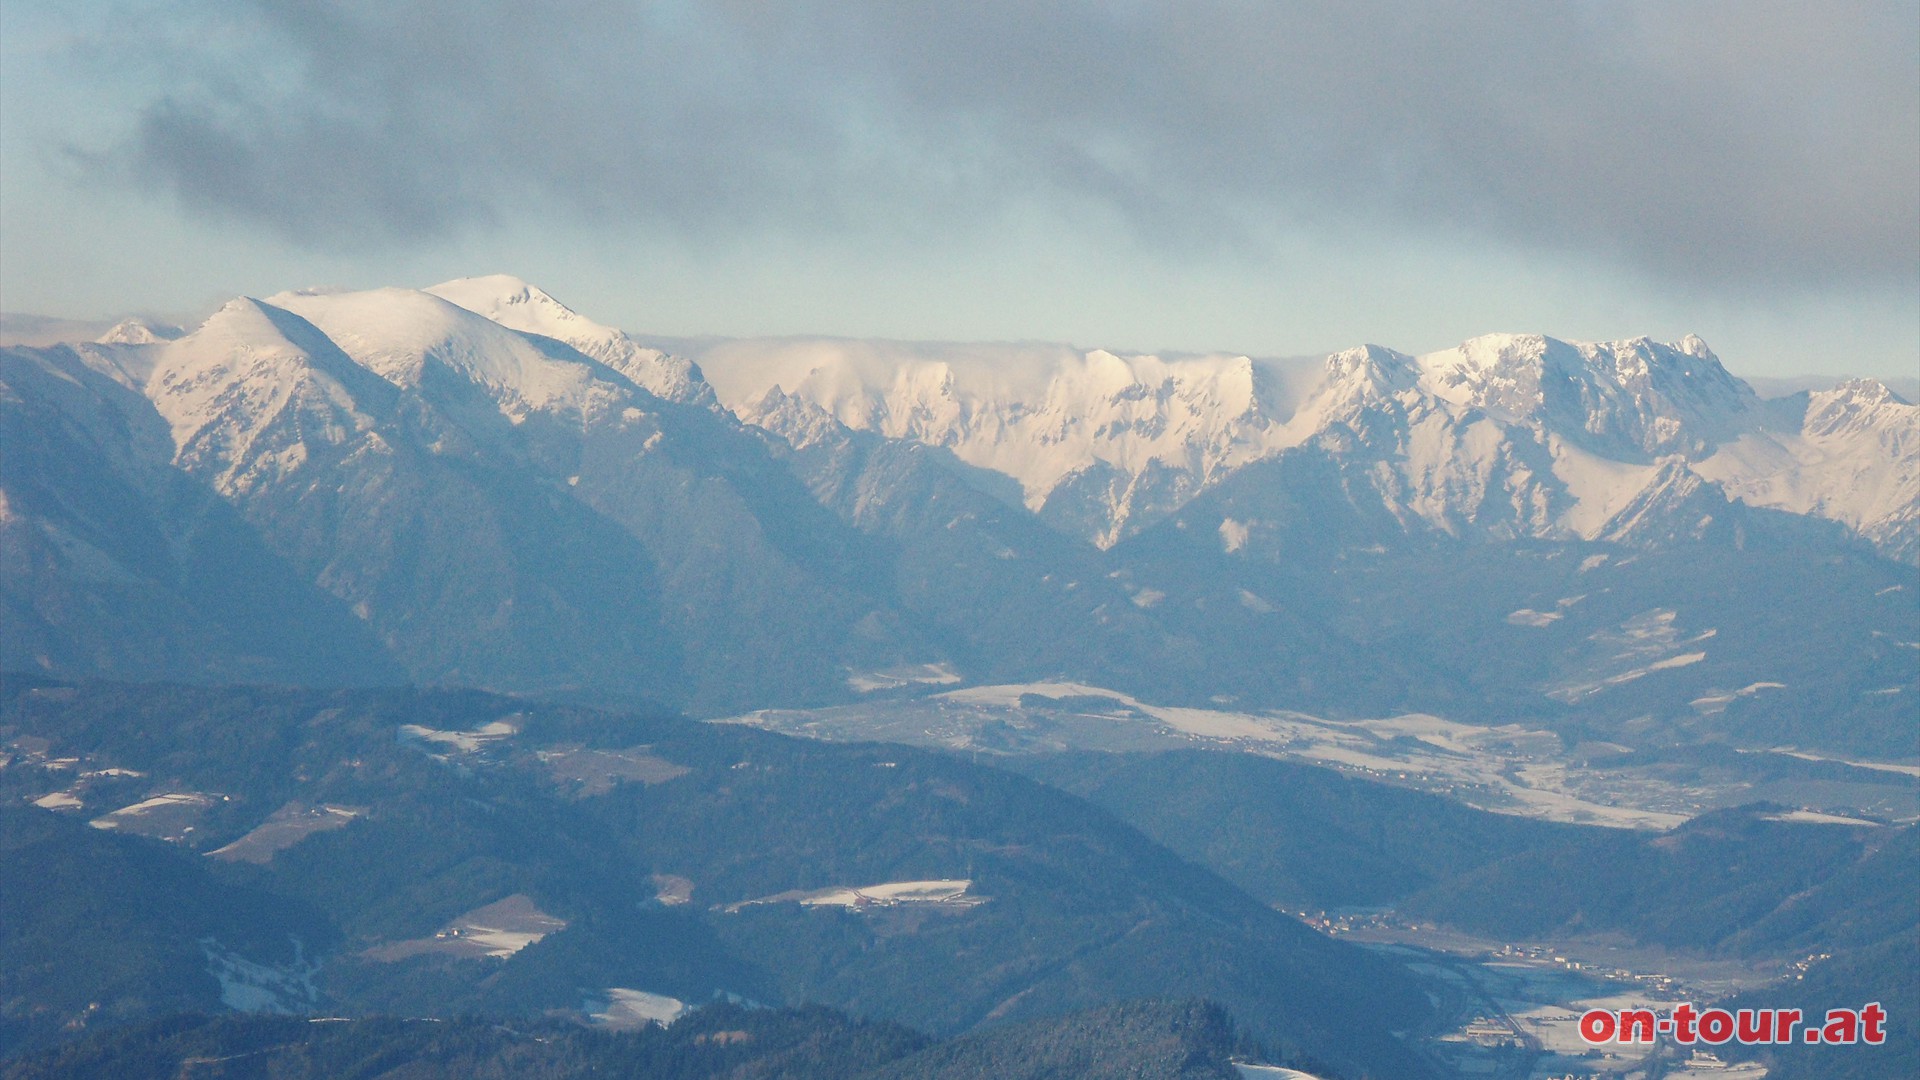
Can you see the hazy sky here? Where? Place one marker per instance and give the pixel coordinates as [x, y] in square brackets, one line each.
[1273, 178]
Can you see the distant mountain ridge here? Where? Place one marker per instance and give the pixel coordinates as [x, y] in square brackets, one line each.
[1565, 434]
[474, 485]
[1102, 445]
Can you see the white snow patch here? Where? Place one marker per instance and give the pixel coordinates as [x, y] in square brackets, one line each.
[246, 986]
[1530, 617]
[903, 892]
[627, 1008]
[465, 741]
[1646, 643]
[940, 674]
[502, 942]
[1542, 792]
[1717, 702]
[1882, 766]
[1233, 535]
[1601, 489]
[1814, 817]
[499, 930]
[284, 828]
[58, 800]
[945, 891]
[147, 806]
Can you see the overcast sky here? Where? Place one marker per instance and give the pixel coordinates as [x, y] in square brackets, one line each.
[1271, 178]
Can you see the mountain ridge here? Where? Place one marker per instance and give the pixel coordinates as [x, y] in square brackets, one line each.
[1104, 444]
[496, 507]
[1132, 438]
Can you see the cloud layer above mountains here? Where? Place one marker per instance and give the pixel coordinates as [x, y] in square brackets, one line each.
[1739, 146]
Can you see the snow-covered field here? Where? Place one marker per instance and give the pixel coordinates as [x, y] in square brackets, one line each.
[944, 892]
[248, 986]
[1508, 768]
[168, 816]
[498, 930]
[1879, 766]
[672, 889]
[287, 826]
[1816, 818]
[463, 741]
[897, 677]
[625, 1009]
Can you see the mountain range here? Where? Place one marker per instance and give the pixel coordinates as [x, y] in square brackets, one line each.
[474, 485]
[351, 642]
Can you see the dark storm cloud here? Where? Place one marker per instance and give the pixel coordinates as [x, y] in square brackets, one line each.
[1737, 144]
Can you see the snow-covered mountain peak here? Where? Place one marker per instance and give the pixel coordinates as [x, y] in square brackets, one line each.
[251, 392]
[1368, 375]
[241, 328]
[1693, 346]
[800, 422]
[486, 293]
[515, 304]
[1859, 405]
[1037, 413]
[391, 323]
[1854, 458]
[404, 334]
[1472, 367]
[1865, 393]
[137, 332]
[1637, 397]
[1506, 375]
[1505, 434]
